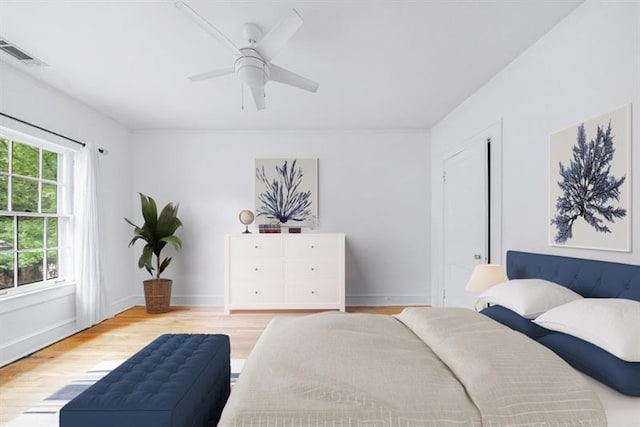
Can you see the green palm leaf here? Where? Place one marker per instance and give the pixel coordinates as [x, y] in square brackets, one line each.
[146, 258]
[149, 210]
[168, 221]
[157, 232]
[131, 223]
[174, 241]
[165, 264]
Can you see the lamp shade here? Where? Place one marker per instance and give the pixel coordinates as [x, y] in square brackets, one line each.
[485, 276]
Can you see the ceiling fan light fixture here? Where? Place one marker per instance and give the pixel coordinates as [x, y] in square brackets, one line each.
[252, 76]
[251, 69]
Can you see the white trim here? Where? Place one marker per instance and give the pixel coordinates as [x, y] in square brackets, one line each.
[35, 137]
[352, 300]
[19, 300]
[64, 155]
[121, 305]
[16, 349]
[497, 254]
[495, 132]
[198, 300]
[36, 333]
[34, 214]
[385, 300]
[402, 131]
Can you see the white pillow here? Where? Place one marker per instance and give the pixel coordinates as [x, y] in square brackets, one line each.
[612, 324]
[527, 297]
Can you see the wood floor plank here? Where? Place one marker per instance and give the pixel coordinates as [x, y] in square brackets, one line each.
[28, 381]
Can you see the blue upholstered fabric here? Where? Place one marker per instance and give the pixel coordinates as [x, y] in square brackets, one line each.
[178, 380]
[589, 278]
[596, 362]
[515, 321]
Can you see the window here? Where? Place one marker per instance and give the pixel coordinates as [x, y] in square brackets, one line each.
[32, 197]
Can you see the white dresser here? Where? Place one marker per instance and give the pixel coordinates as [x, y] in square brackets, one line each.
[284, 271]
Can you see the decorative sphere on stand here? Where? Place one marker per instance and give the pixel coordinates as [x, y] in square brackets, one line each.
[246, 218]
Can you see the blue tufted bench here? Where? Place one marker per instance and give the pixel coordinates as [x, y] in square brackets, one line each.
[178, 380]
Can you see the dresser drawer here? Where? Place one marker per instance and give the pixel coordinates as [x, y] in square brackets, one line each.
[310, 293]
[255, 246]
[284, 271]
[311, 269]
[259, 269]
[250, 293]
[312, 245]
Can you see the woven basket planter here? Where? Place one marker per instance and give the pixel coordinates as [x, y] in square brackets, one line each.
[157, 295]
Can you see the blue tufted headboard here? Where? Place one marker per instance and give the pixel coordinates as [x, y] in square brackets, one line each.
[589, 278]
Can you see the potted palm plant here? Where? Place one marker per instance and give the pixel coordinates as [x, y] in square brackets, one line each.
[157, 231]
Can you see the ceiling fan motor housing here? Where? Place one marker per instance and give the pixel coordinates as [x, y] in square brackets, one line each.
[251, 69]
[252, 33]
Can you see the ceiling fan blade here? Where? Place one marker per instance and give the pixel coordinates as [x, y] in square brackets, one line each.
[287, 77]
[258, 97]
[206, 25]
[271, 44]
[211, 74]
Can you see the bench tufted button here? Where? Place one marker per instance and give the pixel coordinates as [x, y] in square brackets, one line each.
[627, 286]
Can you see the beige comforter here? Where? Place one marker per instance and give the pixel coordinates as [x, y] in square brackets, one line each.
[426, 367]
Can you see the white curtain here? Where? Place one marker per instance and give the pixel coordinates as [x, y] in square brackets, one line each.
[90, 301]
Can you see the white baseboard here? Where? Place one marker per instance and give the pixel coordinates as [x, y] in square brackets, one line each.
[198, 300]
[383, 300]
[351, 300]
[122, 305]
[14, 350]
[188, 300]
[37, 318]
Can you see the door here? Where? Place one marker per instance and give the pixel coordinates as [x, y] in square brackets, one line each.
[465, 219]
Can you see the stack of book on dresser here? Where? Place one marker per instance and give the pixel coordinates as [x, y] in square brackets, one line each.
[277, 228]
[269, 228]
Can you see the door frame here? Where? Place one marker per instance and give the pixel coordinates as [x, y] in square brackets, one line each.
[494, 133]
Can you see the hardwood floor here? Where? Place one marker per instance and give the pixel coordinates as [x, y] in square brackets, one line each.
[27, 381]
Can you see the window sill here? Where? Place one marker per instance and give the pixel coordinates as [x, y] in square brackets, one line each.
[16, 300]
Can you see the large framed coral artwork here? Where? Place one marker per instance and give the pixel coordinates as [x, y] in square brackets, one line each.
[590, 183]
[286, 191]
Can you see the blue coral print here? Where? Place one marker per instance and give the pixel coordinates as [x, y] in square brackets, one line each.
[588, 187]
[282, 199]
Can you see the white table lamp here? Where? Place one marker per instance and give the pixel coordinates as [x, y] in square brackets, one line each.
[485, 276]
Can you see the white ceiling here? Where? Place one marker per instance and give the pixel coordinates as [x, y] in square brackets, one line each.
[380, 64]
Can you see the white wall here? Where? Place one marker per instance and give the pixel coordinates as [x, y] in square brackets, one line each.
[32, 321]
[373, 186]
[587, 65]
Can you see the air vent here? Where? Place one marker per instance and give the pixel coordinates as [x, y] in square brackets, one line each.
[20, 54]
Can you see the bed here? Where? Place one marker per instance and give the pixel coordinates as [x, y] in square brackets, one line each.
[424, 367]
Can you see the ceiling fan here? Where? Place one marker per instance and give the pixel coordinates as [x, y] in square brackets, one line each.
[253, 65]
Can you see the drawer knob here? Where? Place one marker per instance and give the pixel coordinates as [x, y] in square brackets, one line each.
[256, 246]
[313, 269]
[313, 246]
[313, 292]
[256, 292]
[256, 269]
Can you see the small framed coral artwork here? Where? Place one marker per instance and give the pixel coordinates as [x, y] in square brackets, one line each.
[286, 191]
[590, 183]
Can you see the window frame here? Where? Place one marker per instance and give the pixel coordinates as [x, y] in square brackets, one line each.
[64, 215]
